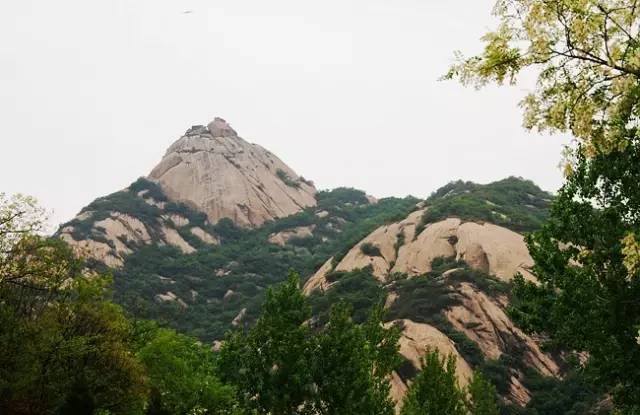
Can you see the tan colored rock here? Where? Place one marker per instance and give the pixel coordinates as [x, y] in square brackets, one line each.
[322, 214]
[484, 321]
[114, 228]
[222, 175]
[222, 272]
[89, 248]
[238, 319]
[84, 215]
[282, 238]
[170, 297]
[503, 251]
[173, 238]
[518, 393]
[120, 226]
[178, 220]
[205, 237]
[384, 238]
[416, 338]
[398, 390]
[486, 247]
[319, 281]
[434, 241]
[391, 298]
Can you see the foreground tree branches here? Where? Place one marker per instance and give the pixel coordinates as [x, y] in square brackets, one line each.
[587, 57]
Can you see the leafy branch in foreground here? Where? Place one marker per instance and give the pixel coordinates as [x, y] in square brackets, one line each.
[587, 57]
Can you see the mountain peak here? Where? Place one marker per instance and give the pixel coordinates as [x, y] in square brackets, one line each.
[217, 172]
[216, 128]
[221, 128]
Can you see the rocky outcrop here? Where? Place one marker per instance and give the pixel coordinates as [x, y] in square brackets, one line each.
[400, 248]
[485, 322]
[113, 238]
[214, 170]
[415, 340]
[173, 238]
[282, 238]
[483, 246]
[210, 173]
[204, 236]
[319, 280]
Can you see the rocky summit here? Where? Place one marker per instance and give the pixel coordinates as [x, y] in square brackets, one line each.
[208, 174]
[217, 172]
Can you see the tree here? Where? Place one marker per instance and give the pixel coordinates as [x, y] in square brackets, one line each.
[352, 365]
[271, 364]
[64, 348]
[435, 389]
[482, 396]
[181, 374]
[586, 298]
[282, 366]
[587, 56]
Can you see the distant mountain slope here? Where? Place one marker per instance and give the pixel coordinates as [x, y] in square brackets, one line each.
[221, 286]
[218, 221]
[208, 174]
[444, 273]
[215, 171]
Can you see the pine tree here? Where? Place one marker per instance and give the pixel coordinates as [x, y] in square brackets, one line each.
[435, 390]
[482, 396]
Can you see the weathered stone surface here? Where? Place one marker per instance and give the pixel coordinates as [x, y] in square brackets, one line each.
[282, 238]
[205, 237]
[224, 176]
[485, 247]
[319, 280]
[415, 340]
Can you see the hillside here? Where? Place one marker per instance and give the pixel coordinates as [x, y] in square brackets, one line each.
[194, 260]
[217, 172]
[444, 273]
[208, 174]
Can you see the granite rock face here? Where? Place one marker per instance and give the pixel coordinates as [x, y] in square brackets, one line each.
[212, 171]
[217, 172]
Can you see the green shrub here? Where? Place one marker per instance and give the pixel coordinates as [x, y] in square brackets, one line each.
[370, 249]
[514, 203]
[282, 175]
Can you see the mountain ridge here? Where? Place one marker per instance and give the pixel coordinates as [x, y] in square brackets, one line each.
[196, 244]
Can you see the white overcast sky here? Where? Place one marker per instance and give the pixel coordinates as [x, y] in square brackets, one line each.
[92, 92]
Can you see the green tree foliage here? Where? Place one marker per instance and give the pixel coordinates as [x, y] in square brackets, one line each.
[586, 54]
[482, 396]
[64, 348]
[514, 203]
[358, 288]
[352, 365]
[282, 366]
[587, 299]
[588, 59]
[370, 249]
[435, 390]
[248, 263]
[271, 364]
[181, 374]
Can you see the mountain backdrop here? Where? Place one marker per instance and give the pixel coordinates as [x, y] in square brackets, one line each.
[196, 243]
